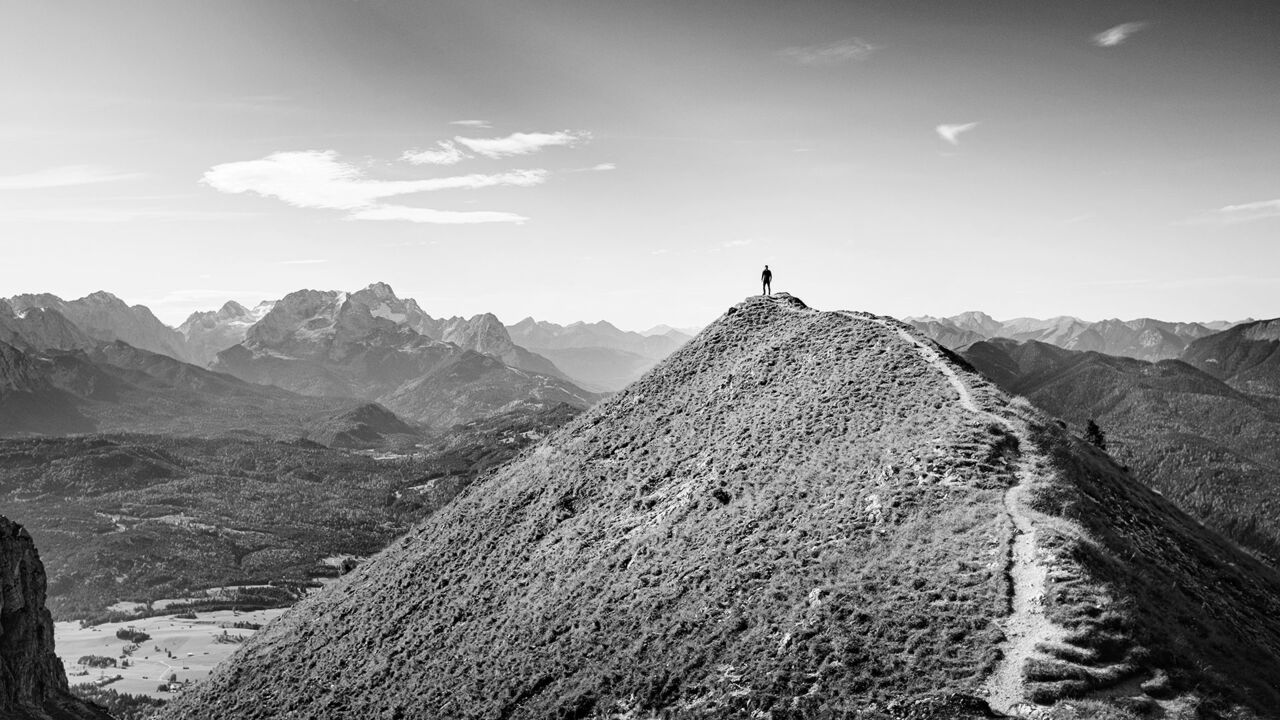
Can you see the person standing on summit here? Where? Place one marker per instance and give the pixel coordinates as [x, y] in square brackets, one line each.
[766, 279]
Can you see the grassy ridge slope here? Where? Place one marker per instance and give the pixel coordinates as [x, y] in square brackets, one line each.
[795, 515]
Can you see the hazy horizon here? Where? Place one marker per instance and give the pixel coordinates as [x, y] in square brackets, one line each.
[640, 162]
[176, 318]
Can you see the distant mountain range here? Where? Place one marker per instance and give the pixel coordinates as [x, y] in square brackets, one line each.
[209, 333]
[599, 354]
[1144, 339]
[106, 318]
[371, 345]
[64, 366]
[596, 356]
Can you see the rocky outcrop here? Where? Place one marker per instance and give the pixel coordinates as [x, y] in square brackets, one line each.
[33, 684]
[17, 374]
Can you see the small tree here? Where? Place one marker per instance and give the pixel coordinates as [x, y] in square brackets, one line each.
[1094, 435]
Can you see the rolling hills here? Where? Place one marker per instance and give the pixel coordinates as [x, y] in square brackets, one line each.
[118, 388]
[1246, 357]
[1210, 448]
[798, 514]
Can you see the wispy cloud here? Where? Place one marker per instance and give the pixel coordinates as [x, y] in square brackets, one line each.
[317, 179]
[472, 123]
[735, 243]
[522, 143]
[64, 176]
[302, 262]
[439, 217]
[1118, 34]
[601, 167]
[1244, 212]
[840, 51]
[446, 153]
[951, 133]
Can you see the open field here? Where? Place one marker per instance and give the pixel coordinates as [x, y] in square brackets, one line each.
[186, 648]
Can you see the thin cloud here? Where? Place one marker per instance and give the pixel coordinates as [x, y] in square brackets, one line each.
[521, 143]
[446, 153]
[951, 133]
[1244, 212]
[64, 176]
[472, 123]
[1118, 34]
[841, 51]
[316, 179]
[602, 167]
[735, 243]
[302, 262]
[438, 217]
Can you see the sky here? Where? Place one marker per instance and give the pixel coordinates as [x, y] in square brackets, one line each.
[641, 161]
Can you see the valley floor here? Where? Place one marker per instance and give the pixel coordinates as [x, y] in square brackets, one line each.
[189, 649]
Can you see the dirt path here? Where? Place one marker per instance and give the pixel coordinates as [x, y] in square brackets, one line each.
[1027, 625]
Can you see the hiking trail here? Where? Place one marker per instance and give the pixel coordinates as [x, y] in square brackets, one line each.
[1027, 625]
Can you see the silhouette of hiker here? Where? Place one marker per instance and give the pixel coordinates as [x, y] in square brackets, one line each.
[766, 279]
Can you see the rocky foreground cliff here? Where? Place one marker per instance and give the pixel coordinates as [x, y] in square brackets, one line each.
[33, 685]
[798, 514]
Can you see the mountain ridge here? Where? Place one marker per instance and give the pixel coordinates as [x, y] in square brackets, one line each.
[800, 514]
[107, 318]
[1142, 338]
[331, 343]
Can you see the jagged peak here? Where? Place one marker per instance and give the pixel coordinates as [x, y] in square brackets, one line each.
[382, 291]
[231, 308]
[101, 297]
[487, 318]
